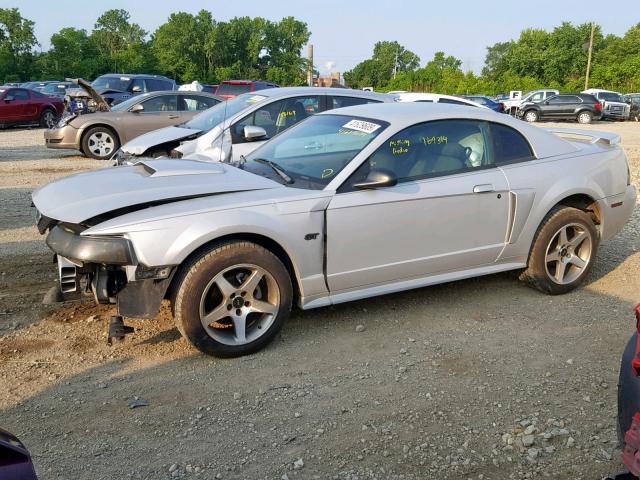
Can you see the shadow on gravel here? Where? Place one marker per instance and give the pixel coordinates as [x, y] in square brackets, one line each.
[15, 208]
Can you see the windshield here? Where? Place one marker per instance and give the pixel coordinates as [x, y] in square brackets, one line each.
[54, 88]
[233, 88]
[315, 150]
[208, 119]
[611, 97]
[111, 83]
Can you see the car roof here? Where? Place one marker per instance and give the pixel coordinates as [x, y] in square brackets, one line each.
[404, 114]
[134, 75]
[415, 96]
[338, 92]
[156, 93]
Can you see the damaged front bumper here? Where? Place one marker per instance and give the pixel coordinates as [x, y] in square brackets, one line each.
[107, 268]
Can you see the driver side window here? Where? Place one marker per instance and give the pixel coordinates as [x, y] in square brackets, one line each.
[277, 116]
[431, 149]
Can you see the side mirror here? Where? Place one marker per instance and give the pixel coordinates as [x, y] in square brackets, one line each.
[9, 98]
[377, 178]
[136, 89]
[251, 133]
[137, 108]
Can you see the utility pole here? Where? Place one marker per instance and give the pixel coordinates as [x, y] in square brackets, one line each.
[310, 65]
[586, 79]
[395, 65]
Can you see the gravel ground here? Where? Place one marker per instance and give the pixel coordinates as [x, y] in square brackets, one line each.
[478, 379]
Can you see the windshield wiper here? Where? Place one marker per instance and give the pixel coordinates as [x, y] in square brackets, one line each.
[276, 168]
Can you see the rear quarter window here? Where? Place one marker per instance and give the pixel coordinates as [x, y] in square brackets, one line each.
[509, 146]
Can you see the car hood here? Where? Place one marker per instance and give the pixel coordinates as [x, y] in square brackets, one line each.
[83, 196]
[101, 103]
[140, 144]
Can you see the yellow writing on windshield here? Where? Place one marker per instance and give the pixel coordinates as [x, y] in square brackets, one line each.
[327, 172]
[399, 145]
[435, 140]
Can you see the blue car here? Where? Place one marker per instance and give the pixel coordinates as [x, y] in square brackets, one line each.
[487, 102]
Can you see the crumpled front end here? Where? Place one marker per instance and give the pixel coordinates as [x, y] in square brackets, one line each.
[106, 268]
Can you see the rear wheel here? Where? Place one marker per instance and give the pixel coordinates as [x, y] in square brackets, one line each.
[233, 299]
[585, 117]
[100, 143]
[563, 251]
[48, 118]
[531, 116]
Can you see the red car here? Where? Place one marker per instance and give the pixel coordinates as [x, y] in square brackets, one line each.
[629, 406]
[21, 106]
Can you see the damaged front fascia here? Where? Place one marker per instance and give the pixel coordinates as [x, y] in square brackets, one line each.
[142, 298]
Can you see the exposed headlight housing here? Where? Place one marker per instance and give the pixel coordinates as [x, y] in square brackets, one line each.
[65, 119]
[107, 250]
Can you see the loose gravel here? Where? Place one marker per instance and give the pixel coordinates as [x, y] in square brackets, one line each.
[478, 379]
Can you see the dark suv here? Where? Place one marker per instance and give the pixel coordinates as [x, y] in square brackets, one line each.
[233, 88]
[116, 88]
[580, 107]
[633, 99]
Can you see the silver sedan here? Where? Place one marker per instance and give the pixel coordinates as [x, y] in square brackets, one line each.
[348, 204]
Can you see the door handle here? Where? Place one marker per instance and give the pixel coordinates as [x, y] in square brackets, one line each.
[174, 116]
[484, 188]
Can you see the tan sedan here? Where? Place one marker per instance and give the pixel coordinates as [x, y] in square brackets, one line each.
[100, 134]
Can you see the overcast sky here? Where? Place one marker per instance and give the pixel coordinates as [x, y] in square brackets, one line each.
[344, 32]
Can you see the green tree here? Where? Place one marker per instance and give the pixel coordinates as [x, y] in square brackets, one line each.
[283, 42]
[388, 58]
[121, 43]
[179, 46]
[72, 54]
[17, 42]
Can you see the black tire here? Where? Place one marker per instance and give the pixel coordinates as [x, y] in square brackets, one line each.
[48, 118]
[538, 273]
[100, 143]
[195, 278]
[585, 117]
[530, 116]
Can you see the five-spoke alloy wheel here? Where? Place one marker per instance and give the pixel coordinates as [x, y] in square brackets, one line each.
[568, 253]
[563, 251]
[233, 299]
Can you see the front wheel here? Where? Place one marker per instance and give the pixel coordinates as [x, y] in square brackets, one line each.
[585, 117]
[100, 143]
[233, 299]
[563, 251]
[531, 116]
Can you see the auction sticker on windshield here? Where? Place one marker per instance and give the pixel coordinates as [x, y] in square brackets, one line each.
[361, 126]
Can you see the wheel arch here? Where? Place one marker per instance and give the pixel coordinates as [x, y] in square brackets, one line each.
[266, 242]
[87, 128]
[581, 201]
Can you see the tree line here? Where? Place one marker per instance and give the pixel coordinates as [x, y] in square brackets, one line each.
[537, 59]
[197, 47]
[186, 47]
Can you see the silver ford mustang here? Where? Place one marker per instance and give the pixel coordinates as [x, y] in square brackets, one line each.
[347, 204]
